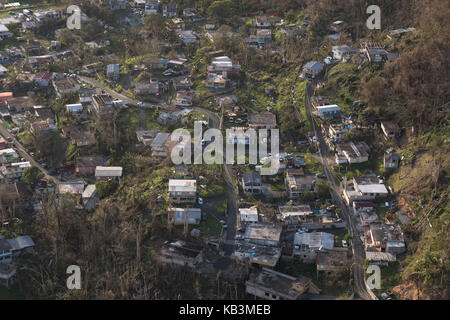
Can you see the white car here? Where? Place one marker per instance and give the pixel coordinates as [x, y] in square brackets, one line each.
[200, 200]
[344, 244]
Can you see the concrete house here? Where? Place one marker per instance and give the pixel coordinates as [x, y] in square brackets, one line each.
[364, 188]
[248, 215]
[160, 145]
[252, 182]
[312, 69]
[384, 238]
[272, 285]
[391, 159]
[180, 216]
[263, 234]
[298, 182]
[106, 173]
[182, 191]
[262, 120]
[342, 51]
[65, 86]
[328, 112]
[102, 105]
[352, 152]
[295, 214]
[113, 71]
[307, 244]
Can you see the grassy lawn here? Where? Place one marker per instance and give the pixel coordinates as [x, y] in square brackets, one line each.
[210, 226]
[312, 164]
[212, 191]
[221, 208]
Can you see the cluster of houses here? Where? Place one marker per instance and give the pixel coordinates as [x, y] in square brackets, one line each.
[220, 73]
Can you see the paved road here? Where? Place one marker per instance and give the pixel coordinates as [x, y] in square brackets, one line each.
[24, 153]
[215, 122]
[358, 247]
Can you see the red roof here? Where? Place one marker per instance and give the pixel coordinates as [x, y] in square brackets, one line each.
[5, 95]
[43, 76]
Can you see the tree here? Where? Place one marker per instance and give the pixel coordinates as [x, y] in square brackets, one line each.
[322, 189]
[31, 175]
[106, 188]
[220, 10]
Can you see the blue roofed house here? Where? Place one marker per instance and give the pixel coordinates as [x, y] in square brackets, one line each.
[151, 8]
[113, 71]
[312, 69]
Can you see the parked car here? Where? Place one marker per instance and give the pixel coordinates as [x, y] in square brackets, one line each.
[200, 200]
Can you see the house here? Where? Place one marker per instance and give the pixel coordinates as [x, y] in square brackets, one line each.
[269, 284]
[182, 191]
[262, 120]
[337, 132]
[74, 108]
[182, 254]
[159, 145]
[113, 71]
[328, 112]
[43, 79]
[14, 170]
[150, 87]
[106, 173]
[248, 215]
[307, 244]
[263, 234]
[182, 84]
[390, 129]
[297, 182]
[252, 183]
[151, 8]
[380, 258]
[377, 54]
[368, 187]
[223, 65]
[91, 68]
[338, 26]
[169, 10]
[65, 86]
[380, 237]
[181, 216]
[21, 245]
[7, 271]
[179, 23]
[391, 159]
[82, 138]
[352, 152]
[4, 32]
[183, 99]
[6, 95]
[117, 5]
[20, 104]
[312, 69]
[238, 135]
[215, 82]
[262, 22]
[146, 136]
[89, 197]
[3, 71]
[295, 214]
[6, 254]
[264, 37]
[43, 126]
[342, 51]
[336, 259]
[102, 105]
[85, 165]
[8, 155]
[189, 12]
[72, 187]
[187, 36]
[86, 94]
[266, 256]
[397, 33]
